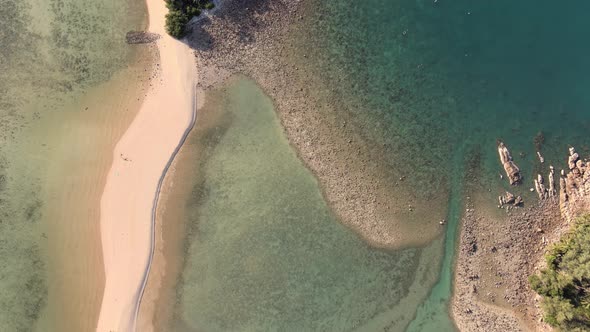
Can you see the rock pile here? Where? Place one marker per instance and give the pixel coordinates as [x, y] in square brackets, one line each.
[141, 37]
[540, 187]
[510, 199]
[495, 257]
[574, 194]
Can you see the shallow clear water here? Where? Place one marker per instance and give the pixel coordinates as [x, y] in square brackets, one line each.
[52, 52]
[264, 252]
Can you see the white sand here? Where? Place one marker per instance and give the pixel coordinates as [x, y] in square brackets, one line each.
[132, 185]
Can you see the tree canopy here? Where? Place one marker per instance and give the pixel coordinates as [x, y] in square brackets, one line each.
[180, 12]
[565, 283]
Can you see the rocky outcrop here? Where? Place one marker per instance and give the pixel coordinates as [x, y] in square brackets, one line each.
[545, 190]
[551, 190]
[502, 257]
[573, 158]
[496, 255]
[540, 187]
[574, 195]
[510, 199]
[512, 171]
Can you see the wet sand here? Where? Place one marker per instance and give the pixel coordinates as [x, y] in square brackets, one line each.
[160, 296]
[140, 160]
[84, 141]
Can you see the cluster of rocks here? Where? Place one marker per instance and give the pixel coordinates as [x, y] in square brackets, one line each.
[543, 191]
[570, 183]
[494, 262]
[510, 199]
[574, 187]
[514, 177]
[141, 37]
[512, 171]
[496, 255]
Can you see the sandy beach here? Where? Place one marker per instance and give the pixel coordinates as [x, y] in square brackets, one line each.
[76, 269]
[324, 147]
[141, 158]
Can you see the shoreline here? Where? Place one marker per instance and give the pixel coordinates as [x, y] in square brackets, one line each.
[501, 246]
[490, 289]
[266, 45]
[157, 195]
[170, 226]
[141, 158]
[220, 55]
[70, 294]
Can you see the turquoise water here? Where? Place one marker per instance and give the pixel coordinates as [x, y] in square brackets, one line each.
[265, 253]
[433, 315]
[425, 76]
[51, 53]
[431, 84]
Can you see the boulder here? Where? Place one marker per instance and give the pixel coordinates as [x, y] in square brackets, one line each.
[573, 158]
[510, 199]
[512, 171]
[551, 190]
[540, 187]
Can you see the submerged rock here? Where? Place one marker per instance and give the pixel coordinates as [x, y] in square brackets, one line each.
[141, 37]
[512, 171]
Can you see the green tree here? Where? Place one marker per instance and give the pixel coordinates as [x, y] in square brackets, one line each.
[565, 284]
[176, 23]
[181, 12]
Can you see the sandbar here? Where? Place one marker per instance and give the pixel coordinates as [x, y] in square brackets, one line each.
[140, 160]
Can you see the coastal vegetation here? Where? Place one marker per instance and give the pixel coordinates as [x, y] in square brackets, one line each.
[565, 283]
[180, 12]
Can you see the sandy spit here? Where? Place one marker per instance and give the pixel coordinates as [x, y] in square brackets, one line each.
[141, 159]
